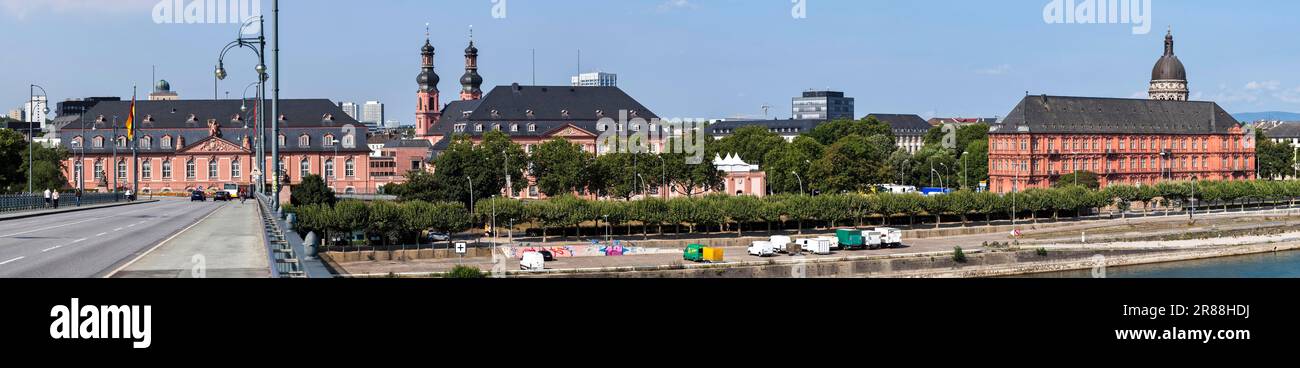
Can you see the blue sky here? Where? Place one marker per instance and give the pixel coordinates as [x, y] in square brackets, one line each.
[682, 58]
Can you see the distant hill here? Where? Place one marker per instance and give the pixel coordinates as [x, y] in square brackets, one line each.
[1268, 115]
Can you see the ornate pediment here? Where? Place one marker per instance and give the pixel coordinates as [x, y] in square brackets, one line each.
[571, 131]
[214, 145]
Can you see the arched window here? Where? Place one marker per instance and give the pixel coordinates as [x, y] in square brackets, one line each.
[304, 168]
[349, 141]
[146, 142]
[236, 168]
[304, 140]
[98, 142]
[329, 168]
[212, 168]
[121, 142]
[99, 169]
[532, 127]
[121, 169]
[167, 169]
[350, 190]
[281, 139]
[329, 140]
[166, 142]
[146, 168]
[350, 168]
[191, 171]
[76, 142]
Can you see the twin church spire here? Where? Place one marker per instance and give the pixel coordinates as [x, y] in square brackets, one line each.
[428, 108]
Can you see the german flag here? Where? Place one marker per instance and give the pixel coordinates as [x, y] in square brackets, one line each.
[130, 122]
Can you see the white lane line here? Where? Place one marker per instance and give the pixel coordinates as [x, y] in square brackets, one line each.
[11, 261]
[100, 234]
[73, 223]
[51, 248]
[78, 241]
[130, 226]
[117, 229]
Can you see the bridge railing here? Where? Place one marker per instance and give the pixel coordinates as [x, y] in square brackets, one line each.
[29, 202]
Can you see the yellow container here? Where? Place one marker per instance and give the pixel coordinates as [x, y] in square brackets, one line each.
[714, 255]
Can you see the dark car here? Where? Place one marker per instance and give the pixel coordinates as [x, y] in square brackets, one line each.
[221, 196]
[198, 196]
[547, 255]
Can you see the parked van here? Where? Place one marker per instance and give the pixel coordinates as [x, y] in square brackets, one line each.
[833, 241]
[762, 249]
[781, 243]
[893, 238]
[873, 239]
[533, 261]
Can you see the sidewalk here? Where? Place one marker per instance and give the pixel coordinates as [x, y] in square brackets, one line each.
[227, 244]
[66, 207]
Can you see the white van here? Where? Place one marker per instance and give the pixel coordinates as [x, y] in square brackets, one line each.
[893, 238]
[762, 249]
[873, 239]
[533, 261]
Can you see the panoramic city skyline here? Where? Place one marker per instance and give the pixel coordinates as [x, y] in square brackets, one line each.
[968, 58]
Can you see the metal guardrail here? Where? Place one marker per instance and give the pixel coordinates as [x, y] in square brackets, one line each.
[285, 261]
[30, 202]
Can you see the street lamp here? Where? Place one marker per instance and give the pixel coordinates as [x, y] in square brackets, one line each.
[965, 170]
[31, 133]
[796, 175]
[258, 46]
[663, 185]
[947, 170]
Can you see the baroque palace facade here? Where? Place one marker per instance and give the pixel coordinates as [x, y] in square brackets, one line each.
[1123, 141]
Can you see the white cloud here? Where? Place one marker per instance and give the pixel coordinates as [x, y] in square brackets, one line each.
[668, 5]
[1264, 85]
[23, 9]
[997, 70]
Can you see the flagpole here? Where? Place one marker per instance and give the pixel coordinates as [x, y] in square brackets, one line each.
[135, 155]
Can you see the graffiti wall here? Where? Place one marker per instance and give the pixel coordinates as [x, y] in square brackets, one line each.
[594, 250]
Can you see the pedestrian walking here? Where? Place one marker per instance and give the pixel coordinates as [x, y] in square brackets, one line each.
[47, 198]
[56, 199]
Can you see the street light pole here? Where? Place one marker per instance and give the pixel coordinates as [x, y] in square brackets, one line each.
[965, 171]
[31, 133]
[275, 102]
[797, 176]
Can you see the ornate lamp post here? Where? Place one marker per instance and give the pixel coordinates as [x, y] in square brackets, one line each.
[258, 46]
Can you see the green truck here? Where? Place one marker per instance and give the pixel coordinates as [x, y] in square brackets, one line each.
[850, 239]
[694, 253]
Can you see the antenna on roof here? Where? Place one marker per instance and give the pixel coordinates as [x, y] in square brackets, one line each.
[534, 67]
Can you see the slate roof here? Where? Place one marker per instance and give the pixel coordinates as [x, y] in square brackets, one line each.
[1287, 130]
[781, 127]
[172, 118]
[904, 124]
[1092, 115]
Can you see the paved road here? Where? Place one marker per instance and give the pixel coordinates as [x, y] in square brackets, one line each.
[92, 243]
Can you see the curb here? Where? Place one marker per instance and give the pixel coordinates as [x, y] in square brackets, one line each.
[76, 209]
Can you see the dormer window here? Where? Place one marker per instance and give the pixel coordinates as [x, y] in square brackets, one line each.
[329, 140]
[532, 127]
[349, 141]
[514, 128]
[304, 141]
[478, 128]
[146, 142]
[166, 142]
[466, 114]
[76, 142]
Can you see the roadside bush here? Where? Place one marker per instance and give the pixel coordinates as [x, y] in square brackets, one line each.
[466, 272]
[958, 255]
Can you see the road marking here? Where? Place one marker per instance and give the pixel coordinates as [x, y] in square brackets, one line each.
[160, 244]
[100, 234]
[130, 226]
[11, 261]
[51, 248]
[117, 229]
[78, 241]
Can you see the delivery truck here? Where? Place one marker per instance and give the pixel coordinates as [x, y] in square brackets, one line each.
[873, 239]
[815, 246]
[762, 249]
[892, 238]
[701, 253]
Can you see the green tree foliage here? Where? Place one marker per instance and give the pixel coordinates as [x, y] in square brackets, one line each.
[829, 133]
[560, 167]
[312, 191]
[854, 164]
[751, 143]
[782, 164]
[48, 166]
[1276, 160]
[1086, 179]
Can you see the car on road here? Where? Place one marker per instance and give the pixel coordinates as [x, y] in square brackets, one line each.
[221, 196]
[198, 196]
[438, 237]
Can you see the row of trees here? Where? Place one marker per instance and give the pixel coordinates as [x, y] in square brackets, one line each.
[468, 171]
[567, 214]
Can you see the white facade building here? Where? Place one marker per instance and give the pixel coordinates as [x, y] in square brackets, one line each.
[36, 111]
[597, 79]
[372, 113]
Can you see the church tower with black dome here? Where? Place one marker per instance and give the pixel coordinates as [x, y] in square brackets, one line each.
[427, 108]
[1169, 78]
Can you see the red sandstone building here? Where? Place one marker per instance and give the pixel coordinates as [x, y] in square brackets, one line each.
[1123, 141]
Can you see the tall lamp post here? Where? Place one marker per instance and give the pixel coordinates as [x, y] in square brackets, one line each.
[965, 171]
[800, 178]
[258, 46]
[663, 184]
[31, 132]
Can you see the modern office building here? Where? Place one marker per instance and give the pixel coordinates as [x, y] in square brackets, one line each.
[597, 79]
[352, 109]
[372, 113]
[822, 105]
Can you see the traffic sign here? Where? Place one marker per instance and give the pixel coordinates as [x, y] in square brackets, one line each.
[461, 248]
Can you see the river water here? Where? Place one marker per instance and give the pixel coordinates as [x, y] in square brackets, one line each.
[1266, 265]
